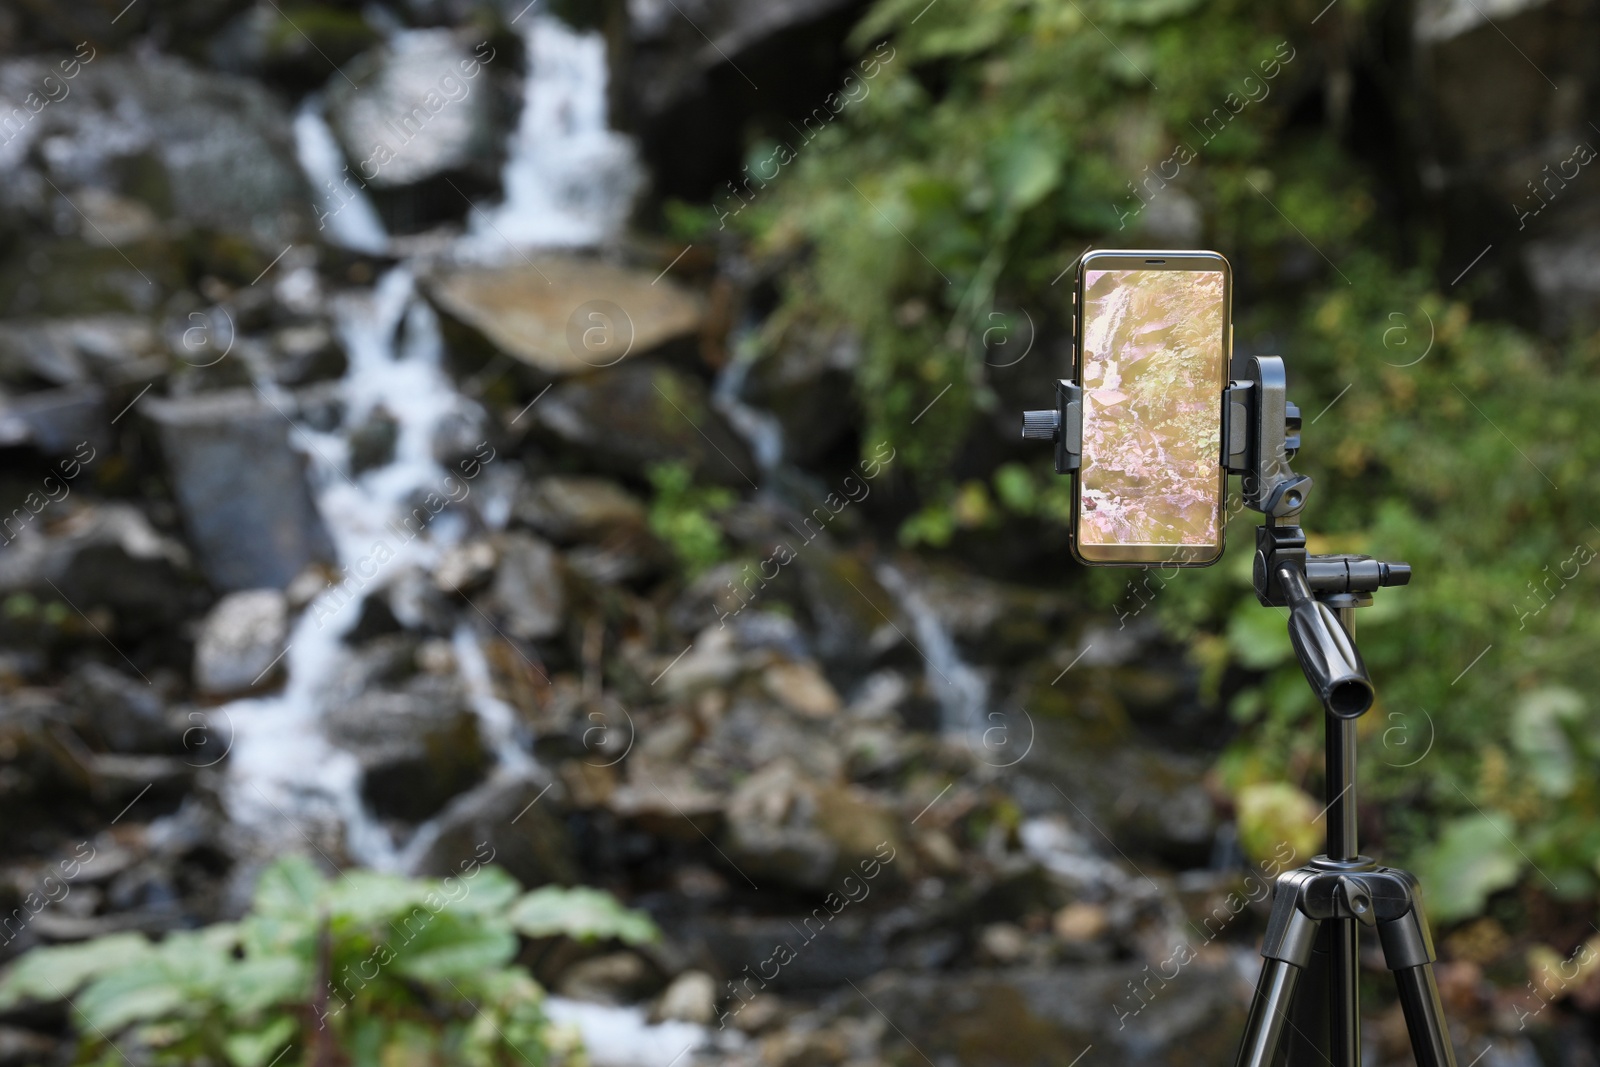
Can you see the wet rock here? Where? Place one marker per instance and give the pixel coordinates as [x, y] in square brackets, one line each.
[790, 829]
[506, 821]
[614, 978]
[19, 1047]
[241, 488]
[1003, 943]
[566, 315]
[672, 57]
[637, 414]
[802, 688]
[569, 508]
[1081, 922]
[116, 711]
[107, 554]
[263, 40]
[691, 998]
[418, 747]
[1497, 141]
[372, 442]
[466, 566]
[529, 588]
[241, 641]
[848, 946]
[1565, 273]
[852, 614]
[56, 421]
[410, 110]
[807, 383]
[306, 353]
[205, 148]
[1000, 1019]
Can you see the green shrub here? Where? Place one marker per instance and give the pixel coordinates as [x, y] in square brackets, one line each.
[384, 969]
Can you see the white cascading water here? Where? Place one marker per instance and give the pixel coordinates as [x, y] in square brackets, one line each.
[569, 182]
[569, 179]
[283, 768]
[962, 692]
[342, 208]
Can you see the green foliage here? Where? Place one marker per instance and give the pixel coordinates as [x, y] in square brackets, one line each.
[684, 515]
[1001, 138]
[383, 968]
[581, 914]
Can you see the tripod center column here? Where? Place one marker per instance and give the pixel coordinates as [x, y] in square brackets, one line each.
[1339, 748]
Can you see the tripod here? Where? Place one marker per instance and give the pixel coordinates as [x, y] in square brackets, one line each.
[1305, 1011]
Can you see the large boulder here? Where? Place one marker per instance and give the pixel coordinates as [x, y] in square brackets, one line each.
[56, 421]
[105, 555]
[241, 488]
[529, 587]
[677, 44]
[509, 821]
[564, 315]
[410, 110]
[241, 641]
[636, 414]
[418, 747]
[207, 149]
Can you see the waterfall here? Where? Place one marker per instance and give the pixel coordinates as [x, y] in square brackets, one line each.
[759, 429]
[283, 768]
[342, 207]
[569, 179]
[962, 692]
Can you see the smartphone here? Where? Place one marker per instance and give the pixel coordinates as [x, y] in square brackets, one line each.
[1153, 339]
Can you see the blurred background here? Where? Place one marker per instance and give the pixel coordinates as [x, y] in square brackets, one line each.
[517, 548]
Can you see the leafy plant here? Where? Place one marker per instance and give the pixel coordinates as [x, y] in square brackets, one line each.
[378, 968]
[684, 515]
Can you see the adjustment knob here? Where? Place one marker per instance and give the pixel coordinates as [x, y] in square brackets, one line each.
[1041, 425]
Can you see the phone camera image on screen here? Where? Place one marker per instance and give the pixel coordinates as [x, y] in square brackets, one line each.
[1153, 365]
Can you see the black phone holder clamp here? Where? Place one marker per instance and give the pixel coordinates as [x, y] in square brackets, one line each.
[1261, 434]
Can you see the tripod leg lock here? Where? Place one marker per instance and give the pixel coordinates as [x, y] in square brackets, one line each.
[1291, 931]
[1385, 897]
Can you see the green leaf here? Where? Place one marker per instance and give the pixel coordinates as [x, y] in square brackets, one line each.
[55, 973]
[1473, 857]
[133, 994]
[1259, 638]
[256, 983]
[582, 914]
[490, 891]
[255, 1048]
[1539, 732]
[365, 897]
[291, 888]
[1026, 166]
[451, 949]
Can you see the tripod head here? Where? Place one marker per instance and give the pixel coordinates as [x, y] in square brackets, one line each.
[1261, 433]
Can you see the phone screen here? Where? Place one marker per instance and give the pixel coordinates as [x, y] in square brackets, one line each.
[1153, 361]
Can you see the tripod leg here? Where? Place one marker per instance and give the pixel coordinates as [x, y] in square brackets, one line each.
[1408, 952]
[1419, 999]
[1285, 951]
[1344, 1015]
[1269, 1011]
